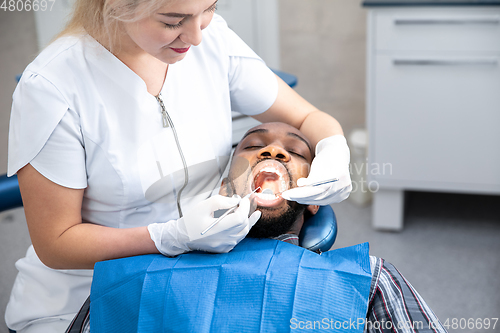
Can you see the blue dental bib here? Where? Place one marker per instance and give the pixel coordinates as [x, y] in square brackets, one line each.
[260, 286]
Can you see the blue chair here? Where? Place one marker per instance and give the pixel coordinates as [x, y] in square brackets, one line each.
[289, 79]
[10, 196]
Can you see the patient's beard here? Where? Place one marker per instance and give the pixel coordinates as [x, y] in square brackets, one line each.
[273, 226]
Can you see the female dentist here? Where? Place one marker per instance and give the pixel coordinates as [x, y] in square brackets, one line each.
[119, 131]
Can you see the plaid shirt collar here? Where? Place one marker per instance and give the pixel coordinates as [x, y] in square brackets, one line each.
[289, 238]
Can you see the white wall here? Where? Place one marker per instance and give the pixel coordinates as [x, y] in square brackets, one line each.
[257, 23]
[51, 21]
[323, 43]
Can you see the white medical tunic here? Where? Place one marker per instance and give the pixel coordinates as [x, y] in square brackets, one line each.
[84, 120]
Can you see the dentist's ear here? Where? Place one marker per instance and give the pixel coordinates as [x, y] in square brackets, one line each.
[313, 209]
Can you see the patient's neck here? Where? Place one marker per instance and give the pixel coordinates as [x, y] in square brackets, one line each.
[297, 226]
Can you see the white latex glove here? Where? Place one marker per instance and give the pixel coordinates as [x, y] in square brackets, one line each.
[331, 161]
[183, 235]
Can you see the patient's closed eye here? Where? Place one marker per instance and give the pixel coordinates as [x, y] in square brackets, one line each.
[297, 154]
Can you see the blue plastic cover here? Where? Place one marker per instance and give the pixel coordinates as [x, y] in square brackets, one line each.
[261, 286]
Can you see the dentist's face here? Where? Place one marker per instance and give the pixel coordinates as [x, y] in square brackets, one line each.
[169, 32]
[271, 156]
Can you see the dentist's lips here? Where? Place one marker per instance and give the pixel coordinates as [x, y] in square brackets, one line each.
[272, 175]
[183, 50]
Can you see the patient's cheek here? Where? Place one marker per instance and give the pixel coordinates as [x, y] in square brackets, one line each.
[239, 166]
[299, 170]
[225, 189]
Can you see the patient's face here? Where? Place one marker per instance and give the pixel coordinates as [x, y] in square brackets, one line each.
[271, 156]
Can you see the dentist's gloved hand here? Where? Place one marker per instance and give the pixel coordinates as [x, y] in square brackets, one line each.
[183, 235]
[331, 161]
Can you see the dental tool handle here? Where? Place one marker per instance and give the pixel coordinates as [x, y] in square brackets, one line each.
[323, 182]
[229, 211]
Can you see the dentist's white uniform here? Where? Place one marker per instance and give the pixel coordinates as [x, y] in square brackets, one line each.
[84, 120]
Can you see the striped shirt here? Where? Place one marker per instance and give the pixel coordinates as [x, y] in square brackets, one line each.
[394, 306]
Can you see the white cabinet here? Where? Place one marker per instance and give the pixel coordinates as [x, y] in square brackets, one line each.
[433, 104]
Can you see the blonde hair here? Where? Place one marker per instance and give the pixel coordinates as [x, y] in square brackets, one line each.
[101, 18]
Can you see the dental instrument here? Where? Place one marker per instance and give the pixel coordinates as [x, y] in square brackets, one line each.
[229, 211]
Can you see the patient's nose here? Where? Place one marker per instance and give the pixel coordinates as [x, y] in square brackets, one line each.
[276, 152]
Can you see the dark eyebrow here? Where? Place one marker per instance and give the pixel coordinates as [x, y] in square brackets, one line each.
[301, 139]
[258, 130]
[184, 15]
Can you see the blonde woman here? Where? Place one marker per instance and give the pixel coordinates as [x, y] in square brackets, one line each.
[119, 132]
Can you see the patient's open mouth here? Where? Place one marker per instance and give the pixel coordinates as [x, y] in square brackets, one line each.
[272, 178]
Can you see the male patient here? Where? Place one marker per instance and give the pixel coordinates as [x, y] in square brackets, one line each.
[271, 158]
[274, 156]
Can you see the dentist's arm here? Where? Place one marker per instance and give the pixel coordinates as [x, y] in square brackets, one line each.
[325, 133]
[63, 241]
[60, 238]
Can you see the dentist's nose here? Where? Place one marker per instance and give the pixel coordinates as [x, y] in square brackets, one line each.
[274, 151]
[191, 33]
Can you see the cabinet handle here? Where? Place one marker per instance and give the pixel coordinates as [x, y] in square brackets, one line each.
[445, 62]
[494, 20]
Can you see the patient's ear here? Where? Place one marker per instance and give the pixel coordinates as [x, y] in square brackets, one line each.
[313, 209]
[225, 189]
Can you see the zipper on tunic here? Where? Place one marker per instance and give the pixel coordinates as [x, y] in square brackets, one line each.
[167, 122]
[164, 114]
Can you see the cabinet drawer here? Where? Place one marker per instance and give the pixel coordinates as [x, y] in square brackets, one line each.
[436, 124]
[437, 29]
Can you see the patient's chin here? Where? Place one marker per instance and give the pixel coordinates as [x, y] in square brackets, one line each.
[273, 212]
[276, 221]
